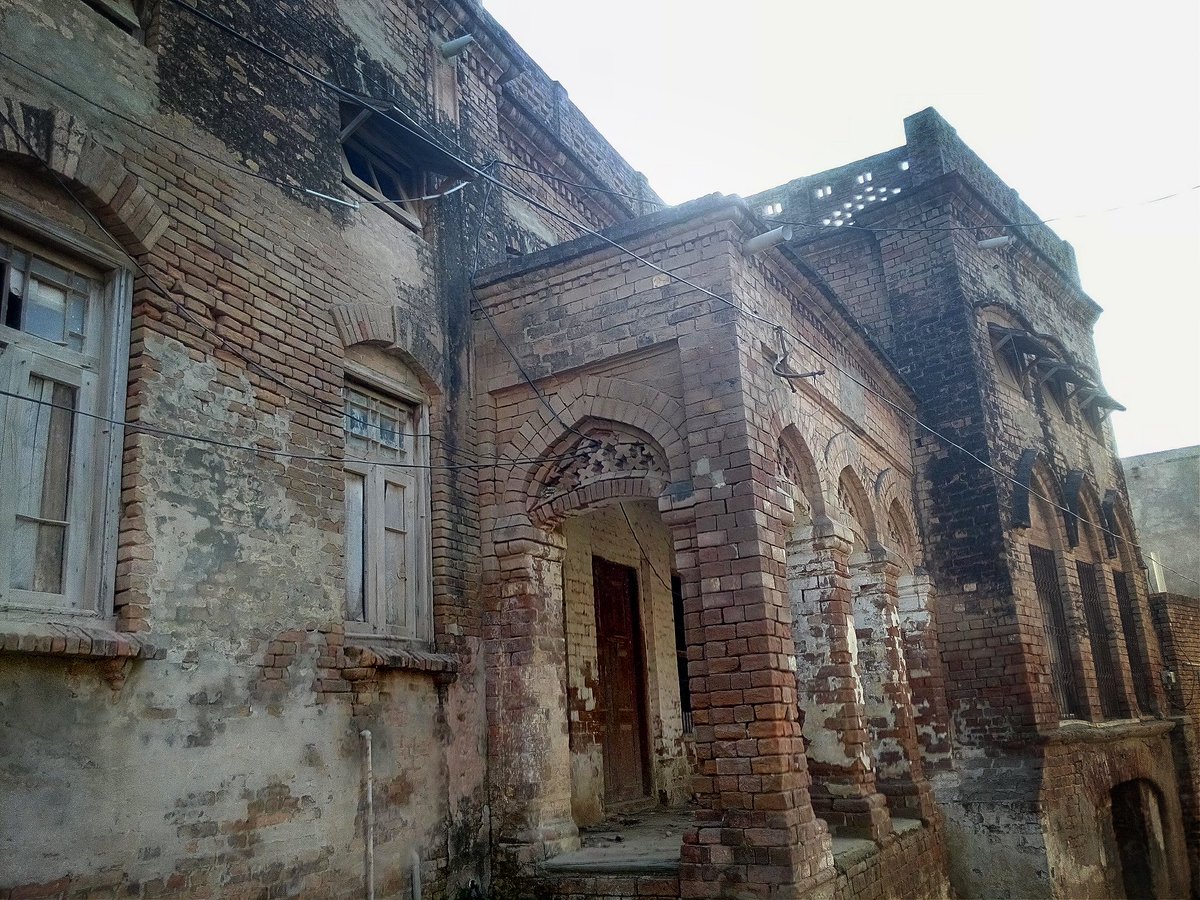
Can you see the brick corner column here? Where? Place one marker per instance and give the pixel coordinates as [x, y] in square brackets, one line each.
[839, 753]
[527, 705]
[887, 696]
[755, 832]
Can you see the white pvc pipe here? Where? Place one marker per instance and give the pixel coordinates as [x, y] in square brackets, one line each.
[451, 49]
[761, 242]
[415, 877]
[366, 736]
[989, 243]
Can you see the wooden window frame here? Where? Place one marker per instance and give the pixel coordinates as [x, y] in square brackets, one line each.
[407, 208]
[414, 621]
[98, 374]
[125, 14]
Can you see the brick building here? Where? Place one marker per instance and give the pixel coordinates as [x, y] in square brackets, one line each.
[1062, 740]
[364, 524]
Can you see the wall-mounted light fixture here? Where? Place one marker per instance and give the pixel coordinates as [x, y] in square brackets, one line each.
[768, 239]
[451, 49]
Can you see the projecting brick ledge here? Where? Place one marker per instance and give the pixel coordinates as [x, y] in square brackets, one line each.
[56, 639]
[1105, 732]
[376, 656]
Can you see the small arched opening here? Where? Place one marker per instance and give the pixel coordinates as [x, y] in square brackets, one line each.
[1139, 827]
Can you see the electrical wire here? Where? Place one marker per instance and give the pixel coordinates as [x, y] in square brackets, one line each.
[212, 157]
[646, 556]
[157, 431]
[672, 275]
[179, 307]
[1037, 223]
[358, 202]
[585, 187]
[630, 253]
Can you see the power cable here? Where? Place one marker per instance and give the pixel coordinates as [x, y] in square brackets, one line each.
[1037, 223]
[631, 254]
[637, 540]
[212, 157]
[585, 187]
[289, 454]
[354, 204]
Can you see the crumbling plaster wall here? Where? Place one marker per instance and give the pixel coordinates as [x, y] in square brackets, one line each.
[233, 765]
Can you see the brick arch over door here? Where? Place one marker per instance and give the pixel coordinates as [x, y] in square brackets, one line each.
[617, 400]
[64, 145]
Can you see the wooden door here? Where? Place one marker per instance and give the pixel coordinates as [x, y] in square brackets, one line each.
[622, 690]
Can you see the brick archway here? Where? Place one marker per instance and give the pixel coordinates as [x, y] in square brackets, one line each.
[63, 144]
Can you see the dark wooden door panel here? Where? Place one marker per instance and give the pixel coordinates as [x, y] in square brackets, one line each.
[622, 693]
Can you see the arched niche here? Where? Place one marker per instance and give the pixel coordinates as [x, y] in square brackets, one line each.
[857, 514]
[597, 461]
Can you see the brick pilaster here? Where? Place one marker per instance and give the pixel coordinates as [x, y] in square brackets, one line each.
[887, 697]
[844, 792]
[527, 711]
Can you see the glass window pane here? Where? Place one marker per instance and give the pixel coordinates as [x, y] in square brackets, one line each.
[389, 427]
[76, 319]
[45, 310]
[358, 414]
[355, 559]
[16, 299]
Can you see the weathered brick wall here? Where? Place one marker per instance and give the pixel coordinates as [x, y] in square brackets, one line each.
[911, 864]
[233, 766]
[1076, 799]
[588, 319]
[916, 290]
[1177, 623]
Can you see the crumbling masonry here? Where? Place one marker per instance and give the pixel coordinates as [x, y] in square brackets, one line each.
[326, 429]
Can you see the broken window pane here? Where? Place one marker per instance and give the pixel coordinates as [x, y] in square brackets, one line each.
[45, 300]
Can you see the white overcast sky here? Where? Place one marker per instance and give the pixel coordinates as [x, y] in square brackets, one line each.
[1080, 106]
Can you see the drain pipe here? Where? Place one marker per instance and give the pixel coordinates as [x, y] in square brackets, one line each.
[365, 734]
